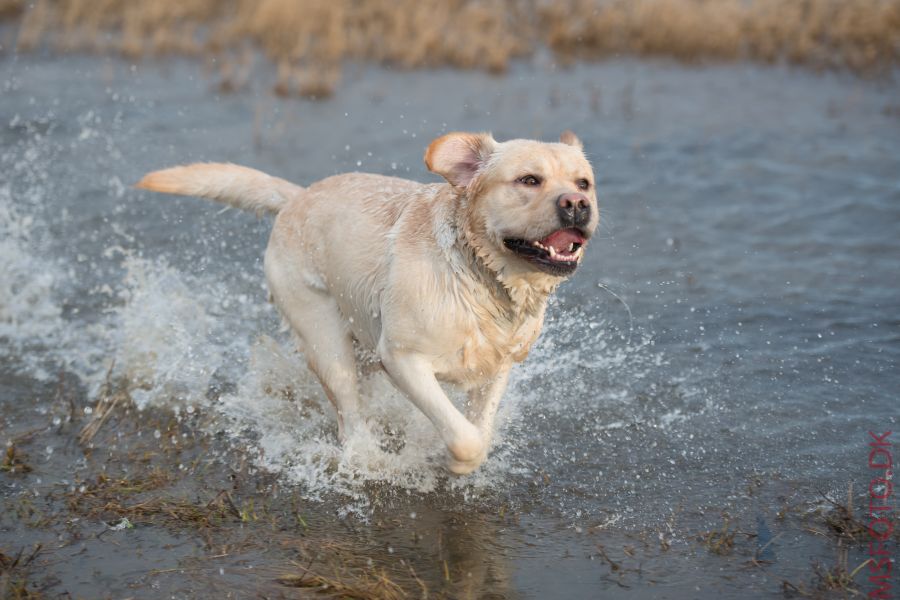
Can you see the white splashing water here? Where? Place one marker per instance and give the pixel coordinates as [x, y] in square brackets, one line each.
[163, 335]
[27, 311]
[30, 312]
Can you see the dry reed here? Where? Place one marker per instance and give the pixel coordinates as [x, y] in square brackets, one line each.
[368, 584]
[309, 39]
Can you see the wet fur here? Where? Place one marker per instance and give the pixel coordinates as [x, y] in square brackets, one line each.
[417, 273]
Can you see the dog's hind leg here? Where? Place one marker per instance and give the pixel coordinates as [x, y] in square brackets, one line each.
[329, 354]
[315, 317]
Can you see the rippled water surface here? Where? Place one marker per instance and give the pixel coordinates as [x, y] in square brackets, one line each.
[714, 365]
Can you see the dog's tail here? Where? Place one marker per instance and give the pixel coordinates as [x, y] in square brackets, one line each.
[234, 185]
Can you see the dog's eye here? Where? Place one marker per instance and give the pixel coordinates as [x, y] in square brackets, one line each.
[530, 180]
[583, 184]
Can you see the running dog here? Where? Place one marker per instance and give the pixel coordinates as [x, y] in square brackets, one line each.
[443, 282]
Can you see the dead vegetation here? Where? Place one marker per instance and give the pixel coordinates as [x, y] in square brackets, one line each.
[334, 568]
[14, 572]
[362, 584]
[142, 497]
[842, 522]
[109, 399]
[838, 578]
[14, 461]
[309, 40]
[721, 541]
[113, 499]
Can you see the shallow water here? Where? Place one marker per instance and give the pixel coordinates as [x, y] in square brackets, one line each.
[729, 341]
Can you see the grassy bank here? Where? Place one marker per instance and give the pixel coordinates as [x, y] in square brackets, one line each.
[309, 39]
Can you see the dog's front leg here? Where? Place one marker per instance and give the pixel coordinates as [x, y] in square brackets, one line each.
[413, 374]
[483, 404]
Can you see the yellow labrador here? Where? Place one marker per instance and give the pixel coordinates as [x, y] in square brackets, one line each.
[443, 282]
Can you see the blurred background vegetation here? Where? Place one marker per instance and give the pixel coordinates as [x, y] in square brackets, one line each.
[309, 40]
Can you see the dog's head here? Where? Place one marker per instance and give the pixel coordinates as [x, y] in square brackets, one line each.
[528, 208]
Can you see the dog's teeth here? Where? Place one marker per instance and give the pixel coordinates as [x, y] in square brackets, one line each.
[571, 246]
[552, 251]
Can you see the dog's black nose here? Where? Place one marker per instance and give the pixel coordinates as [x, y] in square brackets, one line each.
[574, 209]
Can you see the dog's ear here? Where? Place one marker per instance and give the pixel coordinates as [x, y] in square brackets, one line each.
[568, 137]
[457, 157]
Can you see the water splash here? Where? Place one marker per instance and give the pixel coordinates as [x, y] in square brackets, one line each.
[30, 306]
[164, 337]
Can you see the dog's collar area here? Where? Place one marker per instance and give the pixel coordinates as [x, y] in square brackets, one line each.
[558, 253]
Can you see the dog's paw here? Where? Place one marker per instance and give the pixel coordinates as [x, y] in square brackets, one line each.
[467, 452]
[458, 467]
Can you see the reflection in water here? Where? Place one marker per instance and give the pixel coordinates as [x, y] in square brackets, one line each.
[459, 553]
[476, 562]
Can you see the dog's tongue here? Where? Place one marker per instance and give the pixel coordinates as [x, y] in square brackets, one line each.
[562, 239]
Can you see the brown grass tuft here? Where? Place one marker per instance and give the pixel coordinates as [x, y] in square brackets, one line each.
[364, 584]
[826, 580]
[722, 541]
[110, 498]
[14, 461]
[14, 576]
[841, 520]
[310, 39]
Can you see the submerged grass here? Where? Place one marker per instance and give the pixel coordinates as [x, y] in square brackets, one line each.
[308, 40]
[14, 461]
[367, 584]
[143, 499]
[721, 541]
[14, 575]
[835, 579]
[842, 522]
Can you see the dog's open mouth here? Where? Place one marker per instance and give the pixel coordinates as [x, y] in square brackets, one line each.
[559, 253]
